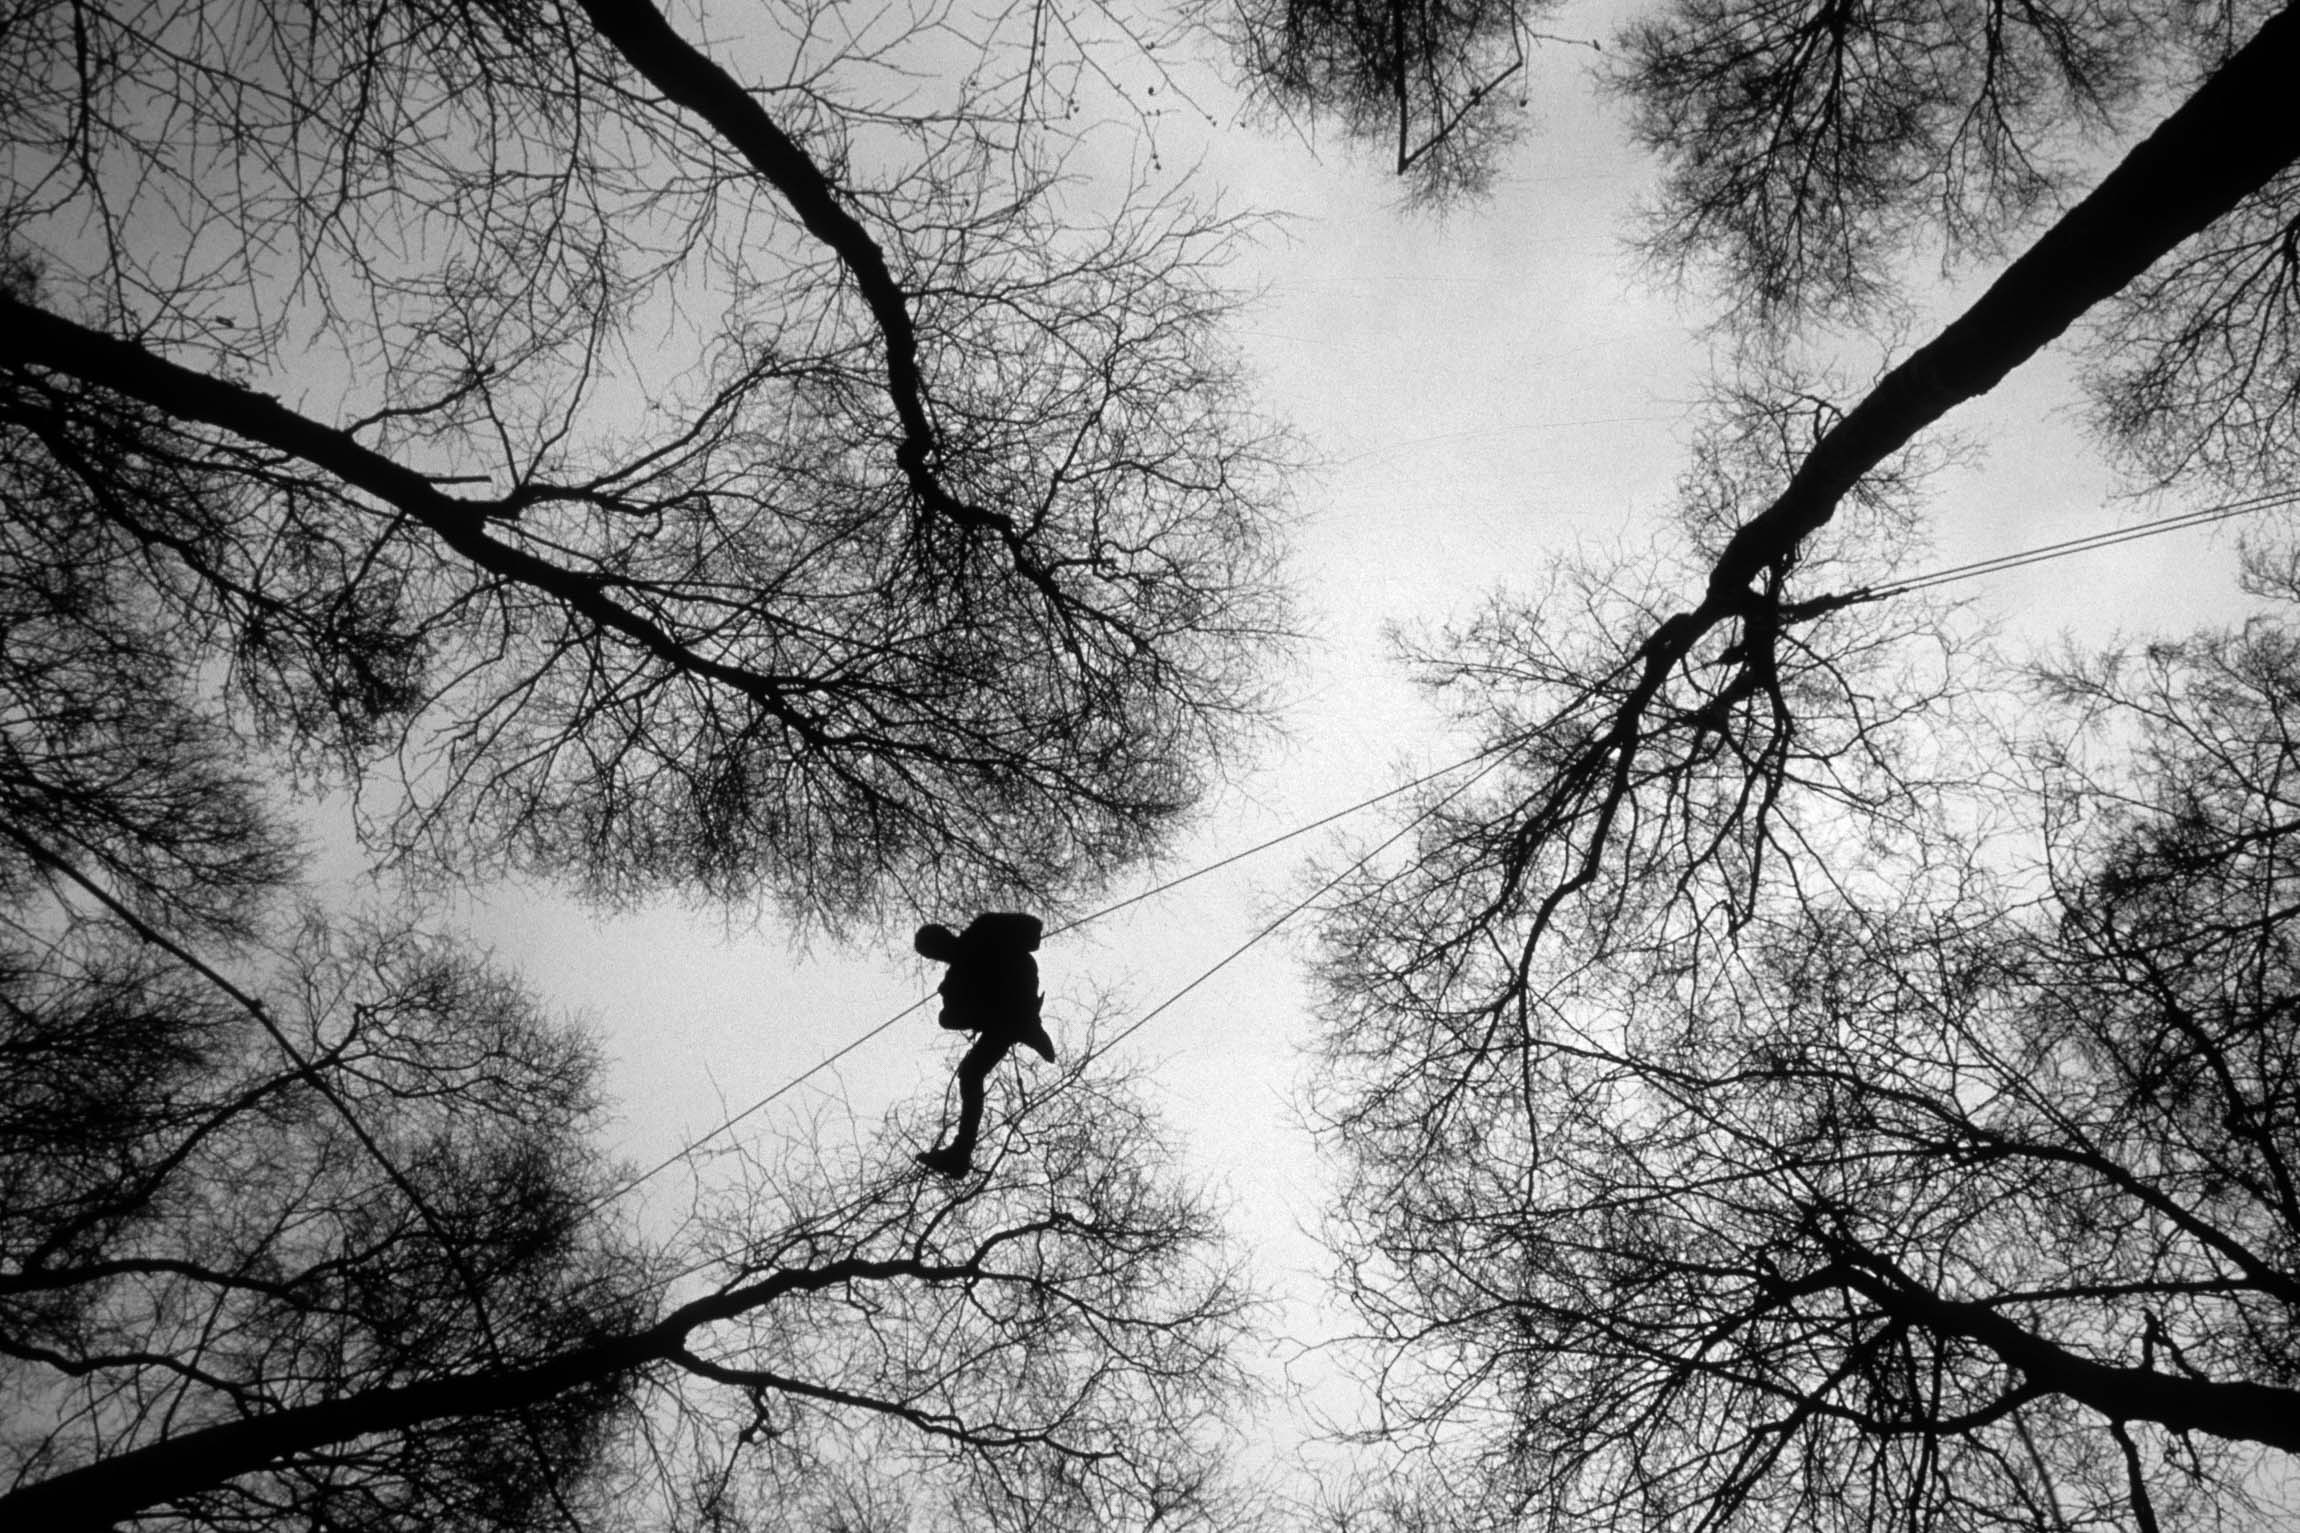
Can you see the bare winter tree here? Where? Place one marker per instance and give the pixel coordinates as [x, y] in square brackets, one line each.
[1655, 1278]
[368, 1283]
[748, 478]
[1658, 751]
[1964, 1199]
[751, 479]
[228, 1209]
[1081, 1372]
[1807, 149]
[302, 1221]
[1433, 84]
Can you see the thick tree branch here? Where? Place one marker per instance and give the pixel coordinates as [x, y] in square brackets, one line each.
[99, 1494]
[691, 79]
[2223, 143]
[2236, 1410]
[33, 337]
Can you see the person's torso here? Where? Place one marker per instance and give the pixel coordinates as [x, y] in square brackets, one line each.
[990, 984]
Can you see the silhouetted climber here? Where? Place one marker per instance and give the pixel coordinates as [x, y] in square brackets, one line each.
[991, 991]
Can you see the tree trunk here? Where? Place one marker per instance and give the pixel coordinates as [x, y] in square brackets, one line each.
[110, 1490]
[2221, 145]
[2238, 1410]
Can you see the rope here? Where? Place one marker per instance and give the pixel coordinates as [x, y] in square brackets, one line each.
[1208, 973]
[1280, 839]
[2203, 516]
[1307, 900]
[787, 1087]
[1944, 576]
[2084, 544]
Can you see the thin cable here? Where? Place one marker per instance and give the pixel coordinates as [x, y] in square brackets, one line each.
[787, 1087]
[2007, 562]
[2084, 544]
[1282, 837]
[1972, 569]
[1295, 909]
[825, 1063]
[1997, 564]
[1497, 751]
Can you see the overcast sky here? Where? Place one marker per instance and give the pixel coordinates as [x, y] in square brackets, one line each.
[1480, 395]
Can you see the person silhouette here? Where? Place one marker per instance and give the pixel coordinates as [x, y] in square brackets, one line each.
[991, 990]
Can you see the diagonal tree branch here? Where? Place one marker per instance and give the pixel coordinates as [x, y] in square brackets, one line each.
[2238, 1410]
[100, 1494]
[31, 336]
[2217, 148]
[2222, 144]
[691, 79]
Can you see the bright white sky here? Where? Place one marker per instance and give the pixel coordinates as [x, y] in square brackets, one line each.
[1482, 394]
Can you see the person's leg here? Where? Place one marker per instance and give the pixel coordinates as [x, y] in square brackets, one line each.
[973, 1071]
[957, 1157]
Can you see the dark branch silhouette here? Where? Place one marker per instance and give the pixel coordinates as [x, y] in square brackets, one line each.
[2219, 146]
[1964, 1179]
[119, 1486]
[896, 534]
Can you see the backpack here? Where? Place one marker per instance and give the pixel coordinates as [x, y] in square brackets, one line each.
[993, 974]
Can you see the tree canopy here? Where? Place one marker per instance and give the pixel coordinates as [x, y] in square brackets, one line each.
[658, 481]
[337, 1249]
[1788, 1086]
[305, 1219]
[737, 473]
[1743, 1128]
[1812, 153]
[1962, 1194]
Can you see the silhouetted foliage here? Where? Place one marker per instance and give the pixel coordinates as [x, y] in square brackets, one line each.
[1959, 1194]
[222, 1233]
[2193, 371]
[1734, 1140]
[1812, 151]
[1434, 81]
[302, 1222]
[674, 485]
[1665, 753]
[1080, 1374]
[1807, 146]
[332, 1248]
[596, 466]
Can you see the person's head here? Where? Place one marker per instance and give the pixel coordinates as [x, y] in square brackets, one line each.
[936, 941]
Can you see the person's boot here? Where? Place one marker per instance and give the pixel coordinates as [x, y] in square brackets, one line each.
[1033, 1034]
[948, 1161]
